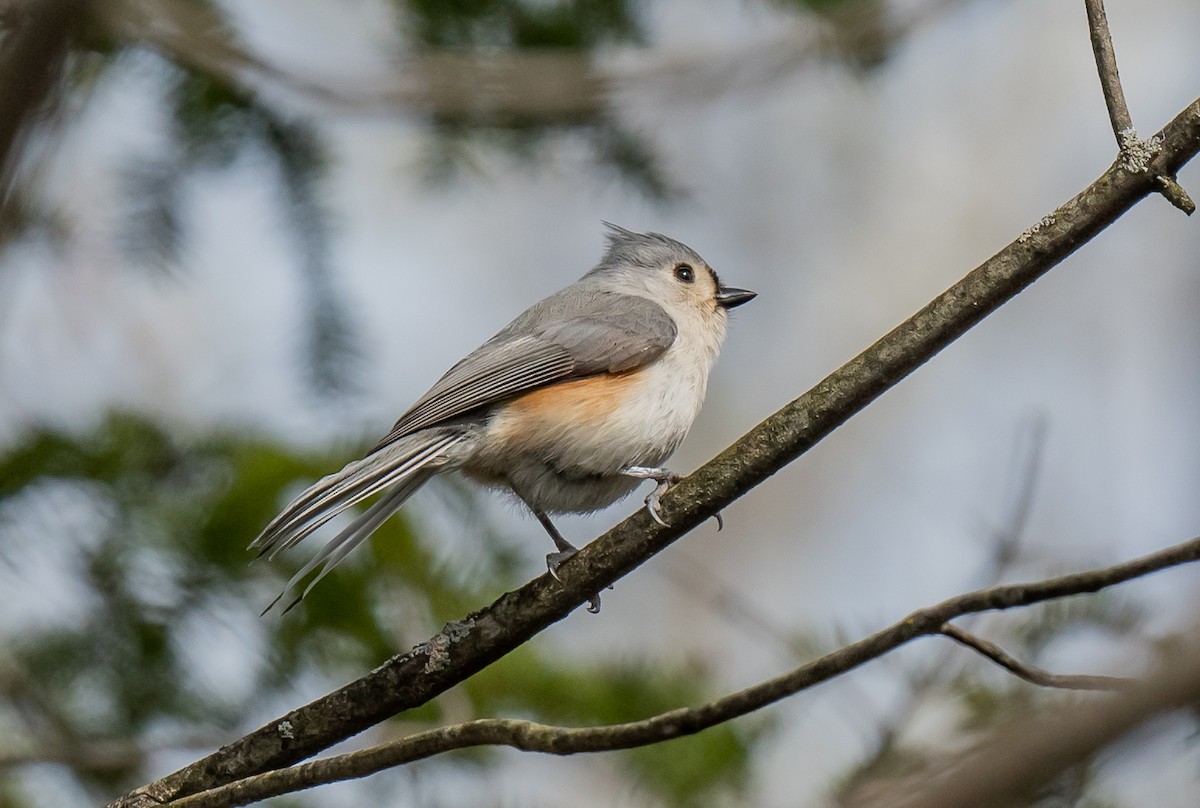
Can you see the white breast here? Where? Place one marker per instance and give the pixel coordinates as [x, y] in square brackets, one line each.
[564, 449]
[659, 410]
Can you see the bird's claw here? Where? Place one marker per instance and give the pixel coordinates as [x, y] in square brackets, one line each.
[654, 508]
[556, 560]
[652, 500]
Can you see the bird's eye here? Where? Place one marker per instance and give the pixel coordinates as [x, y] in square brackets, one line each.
[685, 273]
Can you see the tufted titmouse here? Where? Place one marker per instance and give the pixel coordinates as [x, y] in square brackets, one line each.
[569, 407]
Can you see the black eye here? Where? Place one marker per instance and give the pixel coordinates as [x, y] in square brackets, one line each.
[685, 273]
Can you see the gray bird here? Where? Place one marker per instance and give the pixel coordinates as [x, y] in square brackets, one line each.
[569, 407]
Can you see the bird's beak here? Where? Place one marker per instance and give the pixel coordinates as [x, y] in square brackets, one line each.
[728, 297]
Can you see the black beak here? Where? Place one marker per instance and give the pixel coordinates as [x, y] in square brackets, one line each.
[728, 297]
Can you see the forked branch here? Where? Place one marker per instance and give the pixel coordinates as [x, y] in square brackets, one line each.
[1135, 150]
[1030, 673]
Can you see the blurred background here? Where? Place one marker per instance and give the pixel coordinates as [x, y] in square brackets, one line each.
[238, 239]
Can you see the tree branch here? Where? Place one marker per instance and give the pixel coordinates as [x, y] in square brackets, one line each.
[1029, 673]
[465, 646]
[1128, 142]
[551, 85]
[1009, 767]
[30, 60]
[1005, 550]
[534, 737]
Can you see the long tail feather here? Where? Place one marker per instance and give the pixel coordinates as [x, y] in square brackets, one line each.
[358, 531]
[400, 470]
[333, 494]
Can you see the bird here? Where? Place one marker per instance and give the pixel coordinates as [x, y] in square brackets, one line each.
[568, 408]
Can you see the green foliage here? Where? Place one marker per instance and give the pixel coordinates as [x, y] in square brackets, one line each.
[216, 122]
[164, 567]
[151, 225]
[631, 158]
[687, 771]
[862, 32]
[1106, 611]
[525, 25]
[577, 24]
[617, 152]
[218, 118]
[819, 6]
[215, 119]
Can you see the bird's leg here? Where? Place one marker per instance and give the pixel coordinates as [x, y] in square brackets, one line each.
[665, 479]
[565, 550]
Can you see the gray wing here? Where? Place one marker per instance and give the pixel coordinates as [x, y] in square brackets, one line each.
[574, 333]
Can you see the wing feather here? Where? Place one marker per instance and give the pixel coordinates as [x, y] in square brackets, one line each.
[577, 332]
[495, 371]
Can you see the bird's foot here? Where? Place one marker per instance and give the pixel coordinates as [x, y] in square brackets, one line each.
[652, 499]
[556, 560]
[665, 479]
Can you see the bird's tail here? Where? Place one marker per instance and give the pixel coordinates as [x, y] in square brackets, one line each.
[397, 469]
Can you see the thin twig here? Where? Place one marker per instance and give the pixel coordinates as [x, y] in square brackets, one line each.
[1030, 446]
[1008, 767]
[1175, 194]
[1106, 66]
[1006, 547]
[1029, 673]
[534, 737]
[1134, 151]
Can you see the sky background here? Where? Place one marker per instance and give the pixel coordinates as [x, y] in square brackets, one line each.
[845, 200]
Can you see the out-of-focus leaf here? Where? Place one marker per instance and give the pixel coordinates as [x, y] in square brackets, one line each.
[332, 352]
[170, 561]
[631, 158]
[149, 227]
[616, 151]
[521, 23]
[514, 25]
[861, 33]
[1109, 611]
[216, 122]
[214, 119]
[686, 771]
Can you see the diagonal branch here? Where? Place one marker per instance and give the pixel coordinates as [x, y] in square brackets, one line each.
[1134, 149]
[465, 646]
[534, 737]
